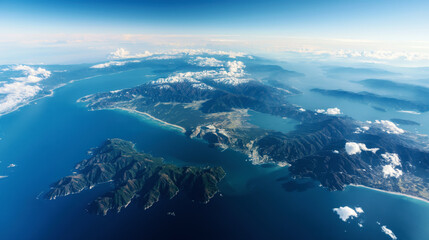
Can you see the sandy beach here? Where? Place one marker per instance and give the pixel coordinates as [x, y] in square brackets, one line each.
[180, 128]
[394, 193]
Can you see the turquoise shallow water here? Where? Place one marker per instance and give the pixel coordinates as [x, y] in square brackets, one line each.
[271, 122]
[45, 141]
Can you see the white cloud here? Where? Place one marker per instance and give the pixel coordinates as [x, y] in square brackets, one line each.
[236, 68]
[355, 148]
[206, 62]
[163, 57]
[333, 111]
[191, 52]
[361, 129]
[359, 210]
[388, 126]
[184, 77]
[113, 63]
[121, 53]
[232, 76]
[391, 170]
[392, 158]
[371, 56]
[202, 86]
[3, 177]
[410, 112]
[345, 213]
[21, 89]
[329, 111]
[11, 165]
[32, 75]
[16, 93]
[388, 232]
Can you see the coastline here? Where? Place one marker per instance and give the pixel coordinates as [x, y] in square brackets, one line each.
[180, 128]
[389, 192]
[35, 99]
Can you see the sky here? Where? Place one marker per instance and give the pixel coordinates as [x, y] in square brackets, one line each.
[75, 31]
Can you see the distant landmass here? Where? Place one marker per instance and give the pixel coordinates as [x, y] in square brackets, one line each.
[336, 151]
[351, 72]
[368, 98]
[380, 109]
[135, 175]
[274, 75]
[418, 91]
[404, 121]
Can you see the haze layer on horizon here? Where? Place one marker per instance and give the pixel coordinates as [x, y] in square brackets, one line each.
[46, 31]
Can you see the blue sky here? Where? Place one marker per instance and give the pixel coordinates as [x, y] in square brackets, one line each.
[71, 26]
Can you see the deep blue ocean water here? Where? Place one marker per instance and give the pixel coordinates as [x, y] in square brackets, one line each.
[45, 141]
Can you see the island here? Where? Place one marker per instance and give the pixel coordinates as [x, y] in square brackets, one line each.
[404, 121]
[372, 98]
[135, 175]
[334, 150]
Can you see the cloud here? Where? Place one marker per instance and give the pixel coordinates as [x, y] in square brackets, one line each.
[365, 54]
[17, 93]
[163, 57]
[191, 52]
[388, 232]
[346, 212]
[361, 129]
[388, 126]
[392, 158]
[404, 53]
[121, 53]
[11, 165]
[3, 177]
[202, 86]
[21, 89]
[113, 63]
[410, 112]
[231, 76]
[206, 62]
[390, 171]
[32, 75]
[359, 210]
[329, 111]
[355, 148]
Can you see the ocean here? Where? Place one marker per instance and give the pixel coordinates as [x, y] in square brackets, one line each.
[45, 140]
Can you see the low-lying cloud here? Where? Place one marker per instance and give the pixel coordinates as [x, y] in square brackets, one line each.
[353, 148]
[113, 63]
[388, 127]
[21, 89]
[388, 232]
[206, 62]
[329, 111]
[346, 212]
[393, 163]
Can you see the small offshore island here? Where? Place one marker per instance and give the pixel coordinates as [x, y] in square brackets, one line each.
[135, 175]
